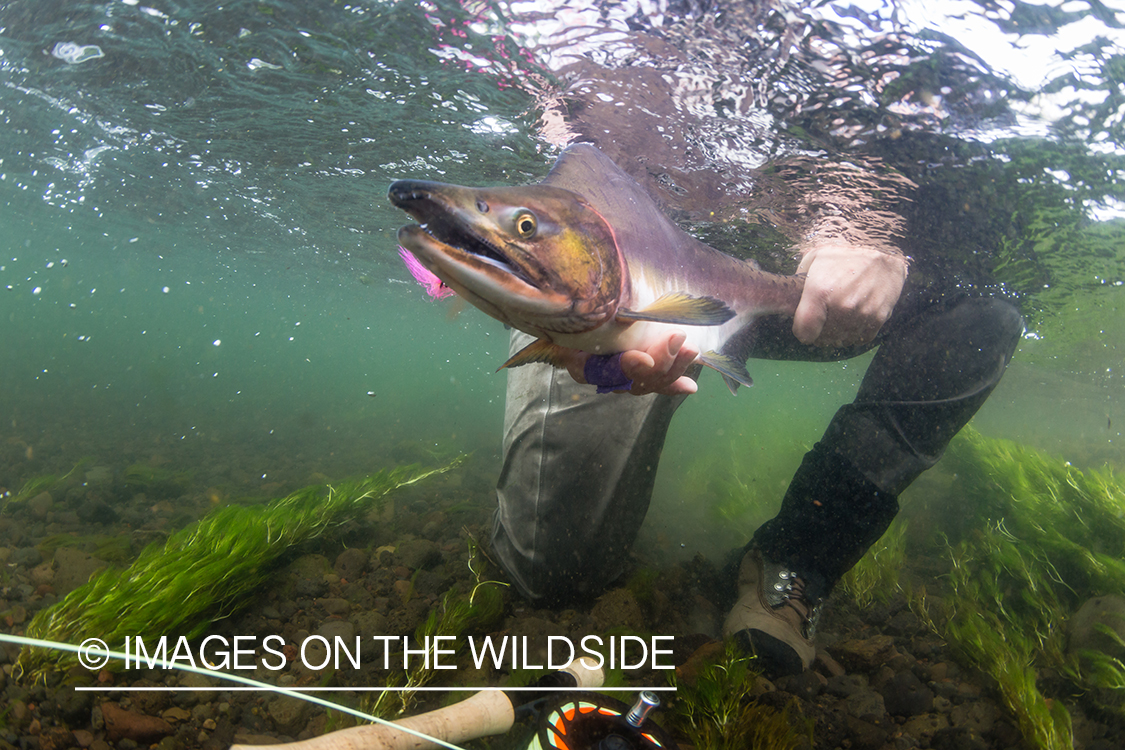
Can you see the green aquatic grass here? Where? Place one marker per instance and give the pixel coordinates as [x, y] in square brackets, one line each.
[205, 571]
[1077, 517]
[39, 484]
[1008, 634]
[744, 487]
[453, 617]
[1043, 537]
[717, 711]
[875, 577]
[154, 478]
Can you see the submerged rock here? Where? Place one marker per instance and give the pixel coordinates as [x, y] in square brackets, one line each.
[1107, 611]
[905, 695]
[122, 724]
[73, 567]
[864, 655]
[418, 553]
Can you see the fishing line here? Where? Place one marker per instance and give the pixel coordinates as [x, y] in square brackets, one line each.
[37, 643]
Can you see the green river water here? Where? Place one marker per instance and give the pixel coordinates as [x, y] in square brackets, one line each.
[197, 259]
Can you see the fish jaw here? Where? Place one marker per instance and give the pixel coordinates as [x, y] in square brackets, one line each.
[536, 258]
[495, 291]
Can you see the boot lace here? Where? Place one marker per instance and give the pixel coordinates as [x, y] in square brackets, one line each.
[787, 589]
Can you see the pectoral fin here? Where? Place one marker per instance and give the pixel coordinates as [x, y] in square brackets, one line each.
[681, 308]
[540, 350]
[733, 371]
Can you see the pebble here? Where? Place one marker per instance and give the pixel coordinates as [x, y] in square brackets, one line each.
[333, 629]
[122, 725]
[27, 557]
[617, 608]
[877, 691]
[334, 605]
[957, 738]
[73, 567]
[290, 714]
[175, 715]
[845, 685]
[806, 685]
[925, 726]
[39, 505]
[866, 704]
[865, 735]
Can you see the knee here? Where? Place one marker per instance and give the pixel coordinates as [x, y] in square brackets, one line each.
[988, 324]
[1007, 316]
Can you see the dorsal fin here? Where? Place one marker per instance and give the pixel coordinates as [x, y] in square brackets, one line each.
[585, 170]
[582, 166]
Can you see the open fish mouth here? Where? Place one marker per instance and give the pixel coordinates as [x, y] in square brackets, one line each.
[454, 234]
[441, 229]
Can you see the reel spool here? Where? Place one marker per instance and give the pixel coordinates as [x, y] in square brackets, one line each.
[590, 721]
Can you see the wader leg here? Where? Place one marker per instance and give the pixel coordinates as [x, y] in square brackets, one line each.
[576, 480]
[932, 372]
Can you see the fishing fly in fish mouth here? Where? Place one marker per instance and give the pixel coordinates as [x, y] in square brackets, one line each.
[586, 261]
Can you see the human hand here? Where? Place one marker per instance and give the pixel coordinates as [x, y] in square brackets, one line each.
[849, 293]
[657, 368]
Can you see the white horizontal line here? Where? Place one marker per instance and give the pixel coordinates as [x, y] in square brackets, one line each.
[234, 689]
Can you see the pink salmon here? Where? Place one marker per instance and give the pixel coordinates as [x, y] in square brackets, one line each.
[586, 260]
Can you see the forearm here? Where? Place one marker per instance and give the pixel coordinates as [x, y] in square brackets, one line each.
[851, 252]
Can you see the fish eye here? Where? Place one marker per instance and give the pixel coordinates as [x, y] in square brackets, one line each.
[526, 225]
[482, 206]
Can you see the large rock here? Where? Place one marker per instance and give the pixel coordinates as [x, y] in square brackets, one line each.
[617, 609]
[1105, 611]
[905, 695]
[73, 567]
[864, 655]
[351, 563]
[418, 553]
[289, 714]
[925, 726]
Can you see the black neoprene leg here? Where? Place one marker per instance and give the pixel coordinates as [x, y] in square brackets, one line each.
[932, 372]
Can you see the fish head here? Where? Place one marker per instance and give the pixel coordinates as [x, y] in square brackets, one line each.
[538, 258]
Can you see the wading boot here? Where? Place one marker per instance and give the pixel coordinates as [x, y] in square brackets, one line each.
[829, 516]
[772, 618]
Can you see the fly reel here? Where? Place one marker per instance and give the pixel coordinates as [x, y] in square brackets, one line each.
[591, 721]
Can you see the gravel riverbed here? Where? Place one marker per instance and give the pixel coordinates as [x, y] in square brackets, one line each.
[882, 679]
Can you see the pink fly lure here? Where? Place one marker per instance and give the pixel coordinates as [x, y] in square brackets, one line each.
[435, 287]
